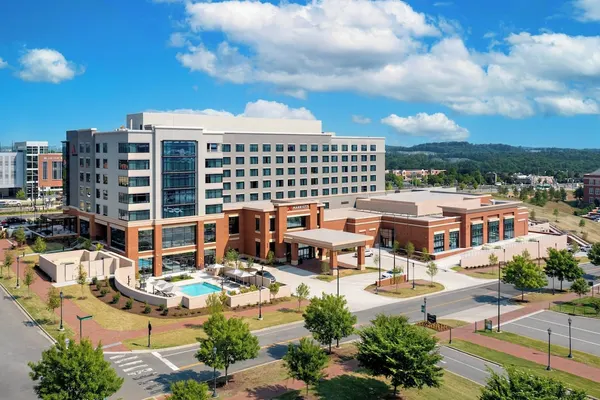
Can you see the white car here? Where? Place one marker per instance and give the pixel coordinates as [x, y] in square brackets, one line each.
[368, 253]
[388, 274]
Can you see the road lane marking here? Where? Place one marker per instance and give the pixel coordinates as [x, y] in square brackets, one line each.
[468, 365]
[164, 360]
[131, 363]
[126, 359]
[558, 334]
[141, 371]
[116, 357]
[566, 326]
[520, 318]
[136, 367]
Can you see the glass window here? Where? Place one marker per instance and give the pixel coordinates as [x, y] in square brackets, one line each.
[344, 147]
[334, 147]
[210, 233]
[266, 159]
[240, 197]
[254, 172]
[145, 266]
[272, 224]
[454, 240]
[476, 234]
[253, 148]
[291, 147]
[105, 147]
[257, 224]
[373, 147]
[239, 185]
[438, 242]
[314, 147]
[266, 171]
[138, 215]
[266, 184]
[325, 147]
[363, 147]
[213, 163]
[179, 262]
[303, 193]
[354, 147]
[234, 225]
[179, 211]
[296, 222]
[213, 193]
[279, 159]
[253, 160]
[226, 160]
[178, 236]
[134, 164]
[279, 195]
[253, 184]
[493, 231]
[279, 171]
[137, 198]
[145, 239]
[226, 148]
[325, 192]
[134, 147]
[509, 228]
[266, 147]
[239, 147]
[239, 160]
[291, 194]
[210, 256]
[303, 159]
[117, 239]
[239, 173]
[227, 199]
[267, 196]
[214, 209]
[303, 147]
[279, 147]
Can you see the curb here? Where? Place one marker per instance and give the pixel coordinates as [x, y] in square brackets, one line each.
[29, 316]
[473, 355]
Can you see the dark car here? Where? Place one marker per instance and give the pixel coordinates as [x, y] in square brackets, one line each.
[265, 274]
[13, 221]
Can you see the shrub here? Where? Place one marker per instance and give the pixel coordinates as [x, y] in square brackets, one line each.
[129, 304]
[162, 307]
[116, 298]
[105, 282]
[95, 281]
[147, 309]
[98, 287]
[165, 312]
[103, 292]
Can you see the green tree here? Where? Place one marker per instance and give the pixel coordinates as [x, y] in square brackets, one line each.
[87, 244]
[53, 301]
[575, 248]
[81, 278]
[405, 354]
[388, 185]
[302, 293]
[520, 384]
[99, 246]
[8, 260]
[274, 289]
[250, 263]
[563, 266]
[594, 254]
[532, 214]
[232, 340]
[580, 286]
[231, 258]
[270, 258]
[328, 318]
[29, 278]
[582, 223]
[563, 194]
[39, 246]
[555, 213]
[524, 274]
[305, 362]
[74, 372]
[395, 272]
[19, 236]
[425, 256]
[214, 304]
[578, 193]
[189, 390]
[21, 195]
[395, 249]
[409, 248]
[493, 259]
[432, 270]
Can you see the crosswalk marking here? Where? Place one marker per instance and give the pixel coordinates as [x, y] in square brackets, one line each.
[133, 368]
[117, 357]
[141, 371]
[125, 359]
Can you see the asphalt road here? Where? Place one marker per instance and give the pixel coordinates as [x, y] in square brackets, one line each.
[585, 334]
[21, 342]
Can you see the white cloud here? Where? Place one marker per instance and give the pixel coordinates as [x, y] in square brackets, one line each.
[359, 119]
[3, 64]
[587, 10]
[385, 48]
[177, 39]
[442, 3]
[435, 126]
[568, 106]
[47, 65]
[258, 109]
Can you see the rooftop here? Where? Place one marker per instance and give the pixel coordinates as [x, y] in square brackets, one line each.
[327, 238]
[419, 196]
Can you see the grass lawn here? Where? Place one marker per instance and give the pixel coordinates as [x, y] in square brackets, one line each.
[566, 220]
[36, 307]
[182, 336]
[109, 317]
[344, 273]
[532, 297]
[571, 381]
[539, 345]
[402, 293]
[577, 307]
[475, 273]
[453, 323]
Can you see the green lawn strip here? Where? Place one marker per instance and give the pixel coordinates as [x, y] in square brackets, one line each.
[542, 346]
[572, 381]
[453, 323]
[344, 273]
[36, 307]
[577, 307]
[420, 289]
[475, 273]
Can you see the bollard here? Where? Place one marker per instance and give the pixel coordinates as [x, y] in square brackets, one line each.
[475, 326]
[450, 335]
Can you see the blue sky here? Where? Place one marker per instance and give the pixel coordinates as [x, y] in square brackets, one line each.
[516, 72]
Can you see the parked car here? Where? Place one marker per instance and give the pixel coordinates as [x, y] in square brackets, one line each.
[388, 274]
[586, 248]
[265, 274]
[368, 253]
[13, 221]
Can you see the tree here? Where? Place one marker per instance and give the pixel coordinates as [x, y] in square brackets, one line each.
[40, 245]
[432, 270]
[520, 384]
[232, 340]
[409, 248]
[81, 278]
[524, 274]
[582, 223]
[395, 249]
[8, 260]
[274, 289]
[493, 259]
[302, 293]
[578, 193]
[214, 304]
[397, 271]
[532, 214]
[21, 195]
[425, 254]
[29, 278]
[99, 246]
[231, 258]
[74, 372]
[53, 301]
[87, 244]
[270, 258]
[562, 265]
[580, 286]
[555, 213]
[404, 353]
[563, 194]
[305, 362]
[594, 254]
[328, 318]
[189, 390]
[19, 236]
[575, 248]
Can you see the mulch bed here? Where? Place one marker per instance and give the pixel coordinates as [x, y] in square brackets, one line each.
[436, 326]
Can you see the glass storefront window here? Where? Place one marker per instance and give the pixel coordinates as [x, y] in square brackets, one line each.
[145, 240]
[493, 231]
[210, 256]
[84, 228]
[438, 242]
[454, 242]
[179, 262]
[117, 239]
[179, 236]
[296, 222]
[476, 234]
[210, 233]
[145, 266]
[234, 225]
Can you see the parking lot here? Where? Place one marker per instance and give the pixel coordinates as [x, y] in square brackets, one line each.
[585, 332]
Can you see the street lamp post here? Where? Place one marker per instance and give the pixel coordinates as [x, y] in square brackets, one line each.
[499, 277]
[61, 327]
[570, 352]
[214, 372]
[379, 281]
[18, 265]
[413, 275]
[549, 334]
[260, 317]
[424, 309]
[149, 332]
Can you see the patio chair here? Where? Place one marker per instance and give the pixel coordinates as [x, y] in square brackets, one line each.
[168, 290]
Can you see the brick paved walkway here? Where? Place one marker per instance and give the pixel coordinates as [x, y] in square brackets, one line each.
[571, 366]
[97, 334]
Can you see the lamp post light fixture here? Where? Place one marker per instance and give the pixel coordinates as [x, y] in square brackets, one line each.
[61, 327]
[424, 309]
[570, 352]
[379, 281]
[260, 317]
[214, 394]
[413, 264]
[149, 332]
[18, 265]
[548, 368]
[499, 277]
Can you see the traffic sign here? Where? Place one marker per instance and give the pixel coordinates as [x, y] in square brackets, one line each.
[422, 308]
[431, 318]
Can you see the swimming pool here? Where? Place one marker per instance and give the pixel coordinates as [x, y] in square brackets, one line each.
[198, 289]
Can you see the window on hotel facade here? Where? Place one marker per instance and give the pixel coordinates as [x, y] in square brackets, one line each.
[239, 147]
[476, 234]
[226, 148]
[267, 196]
[266, 147]
[213, 163]
[145, 266]
[234, 225]
[296, 222]
[145, 239]
[134, 147]
[509, 228]
[133, 165]
[253, 148]
[213, 193]
[213, 209]
[438, 242]
[138, 215]
[179, 172]
[210, 256]
[179, 262]
[257, 224]
[272, 224]
[493, 231]
[178, 236]
[137, 198]
[210, 233]
[117, 239]
[454, 240]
